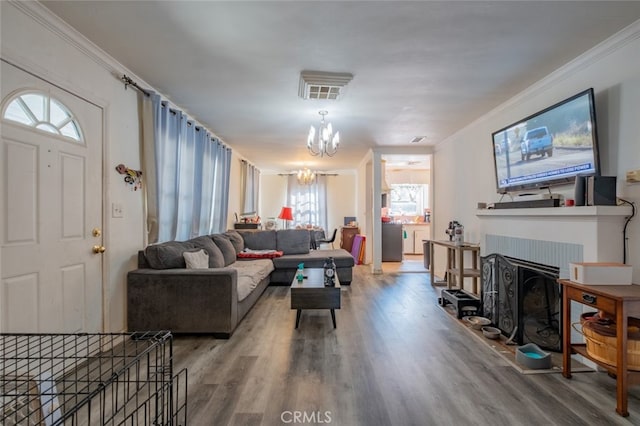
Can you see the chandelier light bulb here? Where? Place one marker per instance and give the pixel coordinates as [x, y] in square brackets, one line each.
[306, 176]
[336, 141]
[326, 142]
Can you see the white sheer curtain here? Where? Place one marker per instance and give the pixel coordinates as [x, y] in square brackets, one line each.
[250, 186]
[309, 202]
[187, 175]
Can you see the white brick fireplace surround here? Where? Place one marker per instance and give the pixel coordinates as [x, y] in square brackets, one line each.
[555, 235]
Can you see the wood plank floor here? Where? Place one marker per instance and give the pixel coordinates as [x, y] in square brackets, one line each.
[396, 358]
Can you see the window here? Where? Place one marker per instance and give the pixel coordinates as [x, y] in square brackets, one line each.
[408, 199]
[309, 202]
[40, 111]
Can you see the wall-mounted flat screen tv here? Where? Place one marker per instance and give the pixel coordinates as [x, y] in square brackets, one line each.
[550, 147]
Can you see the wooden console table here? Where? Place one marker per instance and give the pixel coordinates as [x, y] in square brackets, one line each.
[622, 301]
[456, 272]
[240, 225]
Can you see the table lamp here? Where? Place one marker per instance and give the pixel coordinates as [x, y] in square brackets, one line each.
[286, 214]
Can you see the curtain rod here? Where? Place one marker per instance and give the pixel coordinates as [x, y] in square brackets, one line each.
[249, 163]
[317, 174]
[129, 82]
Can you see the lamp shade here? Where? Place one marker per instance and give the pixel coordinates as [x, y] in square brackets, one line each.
[286, 213]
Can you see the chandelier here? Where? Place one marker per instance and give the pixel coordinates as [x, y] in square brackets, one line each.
[306, 177]
[326, 142]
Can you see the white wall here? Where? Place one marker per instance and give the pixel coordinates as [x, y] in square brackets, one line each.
[340, 198]
[463, 164]
[273, 195]
[341, 201]
[411, 176]
[39, 42]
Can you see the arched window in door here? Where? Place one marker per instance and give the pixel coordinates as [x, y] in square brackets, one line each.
[44, 113]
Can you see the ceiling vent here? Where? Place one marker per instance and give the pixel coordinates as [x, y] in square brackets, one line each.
[417, 139]
[322, 85]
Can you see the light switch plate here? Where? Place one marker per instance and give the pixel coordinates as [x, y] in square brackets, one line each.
[117, 210]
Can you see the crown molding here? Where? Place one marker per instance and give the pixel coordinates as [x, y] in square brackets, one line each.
[47, 19]
[52, 22]
[601, 50]
[590, 57]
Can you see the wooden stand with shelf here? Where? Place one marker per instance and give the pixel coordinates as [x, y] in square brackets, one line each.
[622, 301]
[456, 272]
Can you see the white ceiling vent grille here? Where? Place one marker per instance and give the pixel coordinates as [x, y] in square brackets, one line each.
[322, 85]
[417, 139]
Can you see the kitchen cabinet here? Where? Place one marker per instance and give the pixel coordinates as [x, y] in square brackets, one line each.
[407, 240]
[416, 232]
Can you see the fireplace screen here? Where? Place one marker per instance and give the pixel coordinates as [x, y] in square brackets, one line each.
[522, 298]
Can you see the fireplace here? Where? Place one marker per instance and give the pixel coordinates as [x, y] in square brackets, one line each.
[522, 299]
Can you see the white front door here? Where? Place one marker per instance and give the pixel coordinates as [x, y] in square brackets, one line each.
[50, 207]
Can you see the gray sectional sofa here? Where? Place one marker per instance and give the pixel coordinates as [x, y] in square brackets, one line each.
[163, 294]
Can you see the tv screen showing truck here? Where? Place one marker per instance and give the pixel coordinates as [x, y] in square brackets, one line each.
[548, 148]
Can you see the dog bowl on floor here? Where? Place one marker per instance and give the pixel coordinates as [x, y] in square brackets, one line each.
[491, 332]
[477, 322]
[531, 356]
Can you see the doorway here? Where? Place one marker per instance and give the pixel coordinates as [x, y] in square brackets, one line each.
[407, 183]
[51, 253]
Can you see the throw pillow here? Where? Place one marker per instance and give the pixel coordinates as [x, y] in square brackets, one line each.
[216, 259]
[225, 246]
[236, 239]
[196, 259]
[167, 255]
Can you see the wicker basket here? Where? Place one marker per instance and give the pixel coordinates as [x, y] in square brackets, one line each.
[601, 344]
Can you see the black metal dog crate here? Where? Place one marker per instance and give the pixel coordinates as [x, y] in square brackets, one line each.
[90, 379]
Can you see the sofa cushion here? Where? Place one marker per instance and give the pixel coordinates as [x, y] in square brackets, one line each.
[315, 259]
[293, 241]
[250, 273]
[259, 240]
[225, 246]
[236, 239]
[167, 255]
[216, 258]
[198, 259]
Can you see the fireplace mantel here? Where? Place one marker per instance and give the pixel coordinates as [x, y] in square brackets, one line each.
[598, 229]
[582, 211]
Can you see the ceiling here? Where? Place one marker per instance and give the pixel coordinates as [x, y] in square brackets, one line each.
[421, 68]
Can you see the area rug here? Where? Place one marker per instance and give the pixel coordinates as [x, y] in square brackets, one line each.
[508, 352]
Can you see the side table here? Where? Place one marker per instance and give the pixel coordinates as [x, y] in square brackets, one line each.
[622, 301]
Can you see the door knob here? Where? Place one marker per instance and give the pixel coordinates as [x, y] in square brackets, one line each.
[99, 249]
